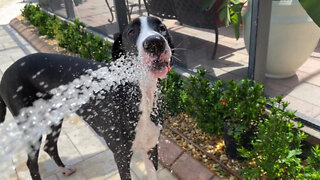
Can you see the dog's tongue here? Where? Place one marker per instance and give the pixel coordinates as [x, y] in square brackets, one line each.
[161, 74]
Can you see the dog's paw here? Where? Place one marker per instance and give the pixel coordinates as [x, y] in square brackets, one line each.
[68, 170]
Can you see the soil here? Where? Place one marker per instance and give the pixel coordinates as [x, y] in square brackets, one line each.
[213, 144]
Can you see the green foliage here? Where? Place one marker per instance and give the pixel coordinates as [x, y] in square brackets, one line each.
[312, 170]
[229, 11]
[244, 107]
[173, 89]
[276, 146]
[72, 36]
[202, 102]
[312, 8]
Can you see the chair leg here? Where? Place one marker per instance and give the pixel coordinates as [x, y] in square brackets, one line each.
[146, 5]
[140, 12]
[216, 43]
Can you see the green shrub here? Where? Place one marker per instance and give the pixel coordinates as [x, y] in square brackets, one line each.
[202, 102]
[312, 169]
[72, 36]
[172, 87]
[244, 106]
[276, 147]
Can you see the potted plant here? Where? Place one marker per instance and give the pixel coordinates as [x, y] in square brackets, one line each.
[292, 38]
[244, 106]
[291, 28]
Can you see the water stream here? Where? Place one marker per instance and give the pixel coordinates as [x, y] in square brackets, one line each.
[36, 120]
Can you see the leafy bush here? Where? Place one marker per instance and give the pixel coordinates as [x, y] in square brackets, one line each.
[312, 170]
[202, 102]
[173, 89]
[72, 36]
[244, 106]
[276, 147]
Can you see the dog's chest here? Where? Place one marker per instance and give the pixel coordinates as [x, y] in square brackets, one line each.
[147, 133]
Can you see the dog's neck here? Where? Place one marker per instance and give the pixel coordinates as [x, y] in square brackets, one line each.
[147, 133]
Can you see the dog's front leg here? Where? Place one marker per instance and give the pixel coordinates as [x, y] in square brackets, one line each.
[123, 159]
[153, 156]
[149, 163]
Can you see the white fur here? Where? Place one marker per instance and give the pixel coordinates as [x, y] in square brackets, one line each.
[147, 133]
[146, 31]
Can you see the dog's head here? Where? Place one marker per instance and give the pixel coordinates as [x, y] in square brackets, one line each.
[149, 39]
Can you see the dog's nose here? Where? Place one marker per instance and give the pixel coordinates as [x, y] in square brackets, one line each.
[154, 44]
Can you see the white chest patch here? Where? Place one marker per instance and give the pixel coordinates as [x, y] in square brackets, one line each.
[147, 133]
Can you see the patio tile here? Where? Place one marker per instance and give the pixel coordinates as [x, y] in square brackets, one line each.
[86, 142]
[168, 151]
[72, 123]
[47, 166]
[9, 44]
[97, 167]
[187, 168]
[309, 93]
[315, 79]
[302, 106]
[137, 166]
[9, 173]
[310, 66]
[5, 65]
[68, 151]
[286, 84]
[31, 49]
[165, 174]
[9, 116]
[21, 167]
[5, 59]
[115, 176]
[280, 88]
[53, 177]
[14, 53]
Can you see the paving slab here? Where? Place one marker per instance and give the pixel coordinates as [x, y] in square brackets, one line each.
[303, 106]
[169, 152]
[307, 92]
[87, 142]
[187, 168]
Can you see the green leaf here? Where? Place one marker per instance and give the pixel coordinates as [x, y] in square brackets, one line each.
[235, 1]
[312, 7]
[293, 153]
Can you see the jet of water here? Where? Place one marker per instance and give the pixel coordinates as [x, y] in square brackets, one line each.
[36, 120]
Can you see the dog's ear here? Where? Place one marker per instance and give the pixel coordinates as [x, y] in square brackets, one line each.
[171, 45]
[117, 48]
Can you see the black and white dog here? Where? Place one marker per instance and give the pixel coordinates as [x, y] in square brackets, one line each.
[119, 118]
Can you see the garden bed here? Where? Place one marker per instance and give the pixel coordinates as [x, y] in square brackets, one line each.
[208, 149]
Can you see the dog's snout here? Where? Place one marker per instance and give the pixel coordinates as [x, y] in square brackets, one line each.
[154, 44]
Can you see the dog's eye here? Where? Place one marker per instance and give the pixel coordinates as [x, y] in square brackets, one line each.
[162, 29]
[131, 32]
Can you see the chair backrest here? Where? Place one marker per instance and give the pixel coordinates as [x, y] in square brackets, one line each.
[191, 13]
[161, 8]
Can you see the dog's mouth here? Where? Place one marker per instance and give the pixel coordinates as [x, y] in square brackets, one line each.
[159, 65]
